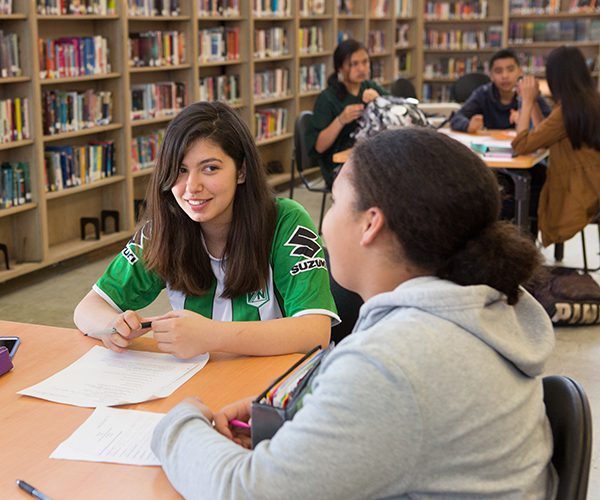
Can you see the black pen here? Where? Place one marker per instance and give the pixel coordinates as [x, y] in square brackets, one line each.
[34, 492]
[110, 331]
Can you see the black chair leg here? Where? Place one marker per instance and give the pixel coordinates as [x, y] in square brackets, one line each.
[559, 251]
[585, 262]
[322, 212]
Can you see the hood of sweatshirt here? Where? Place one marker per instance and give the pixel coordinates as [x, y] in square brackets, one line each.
[521, 333]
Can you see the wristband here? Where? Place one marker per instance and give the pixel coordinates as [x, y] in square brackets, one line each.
[340, 120]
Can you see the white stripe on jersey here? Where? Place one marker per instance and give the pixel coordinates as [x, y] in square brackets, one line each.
[176, 298]
[271, 309]
[222, 308]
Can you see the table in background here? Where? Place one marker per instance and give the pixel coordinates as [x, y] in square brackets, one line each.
[516, 167]
[32, 428]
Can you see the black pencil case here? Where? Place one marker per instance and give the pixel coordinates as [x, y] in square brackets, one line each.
[267, 419]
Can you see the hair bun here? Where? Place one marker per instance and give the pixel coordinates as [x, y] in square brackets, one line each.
[498, 256]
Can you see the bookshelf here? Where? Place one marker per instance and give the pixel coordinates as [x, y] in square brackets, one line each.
[460, 42]
[211, 49]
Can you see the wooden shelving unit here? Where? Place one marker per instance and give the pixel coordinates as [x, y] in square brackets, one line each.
[46, 230]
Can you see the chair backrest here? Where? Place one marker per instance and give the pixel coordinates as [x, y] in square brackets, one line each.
[466, 84]
[569, 414]
[403, 87]
[348, 305]
[301, 156]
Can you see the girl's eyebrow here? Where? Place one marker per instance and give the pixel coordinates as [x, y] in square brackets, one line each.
[206, 160]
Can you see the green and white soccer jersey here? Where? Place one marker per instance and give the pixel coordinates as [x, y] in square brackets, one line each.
[298, 281]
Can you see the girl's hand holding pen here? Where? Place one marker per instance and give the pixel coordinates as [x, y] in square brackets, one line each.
[126, 327]
[225, 421]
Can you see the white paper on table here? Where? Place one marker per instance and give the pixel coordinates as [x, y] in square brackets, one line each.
[112, 435]
[102, 377]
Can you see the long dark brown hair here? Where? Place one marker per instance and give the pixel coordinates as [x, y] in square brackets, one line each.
[175, 250]
[572, 86]
[442, 203]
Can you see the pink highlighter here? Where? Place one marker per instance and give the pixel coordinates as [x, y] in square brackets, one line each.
[239, 424]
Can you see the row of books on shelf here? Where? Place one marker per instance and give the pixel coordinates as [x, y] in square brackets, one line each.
[272, 83]
[469, 9]
[153, 8]
[376, 41]
[144, 149]
[70, 111]
[534, 6]
[379, 8]
[581, 29]
[10, 64]
[267, 8]
[460, 39]
[154, 100]
[15, 184]
[228, 8]
[14, 119]
[270, 42]
[404, 8]
[76, 7]
[219, 44]
[312, 7]
[310, 40]
[270, 123]
[220, 88]
[75, 56]
[548, 7]
[454, 67]
[378, 70]
[584, 6]
[156, 48]
[403, 63]
[435, 93]
[71, 166]
[313, 77]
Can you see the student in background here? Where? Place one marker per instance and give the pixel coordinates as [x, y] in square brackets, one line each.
[570, 197]
[494, 104]
[339, 106]
[244, 273]
[437, 392]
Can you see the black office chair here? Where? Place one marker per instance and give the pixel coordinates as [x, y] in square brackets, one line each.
[403, 87]
[348, 305]
[466, 84]
[301, 161]
[569, 414]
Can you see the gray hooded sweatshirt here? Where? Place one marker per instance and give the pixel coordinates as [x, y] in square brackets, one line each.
[436, 394]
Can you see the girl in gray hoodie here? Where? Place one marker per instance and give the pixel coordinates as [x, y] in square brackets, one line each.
[437, 392]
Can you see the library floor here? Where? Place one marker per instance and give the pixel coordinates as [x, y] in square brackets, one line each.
[50, 296]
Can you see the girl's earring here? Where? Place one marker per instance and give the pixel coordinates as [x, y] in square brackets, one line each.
[340, 76]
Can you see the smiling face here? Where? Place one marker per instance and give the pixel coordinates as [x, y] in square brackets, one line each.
[206, 185]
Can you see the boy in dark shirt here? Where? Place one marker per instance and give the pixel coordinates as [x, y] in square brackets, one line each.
[495, 105]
